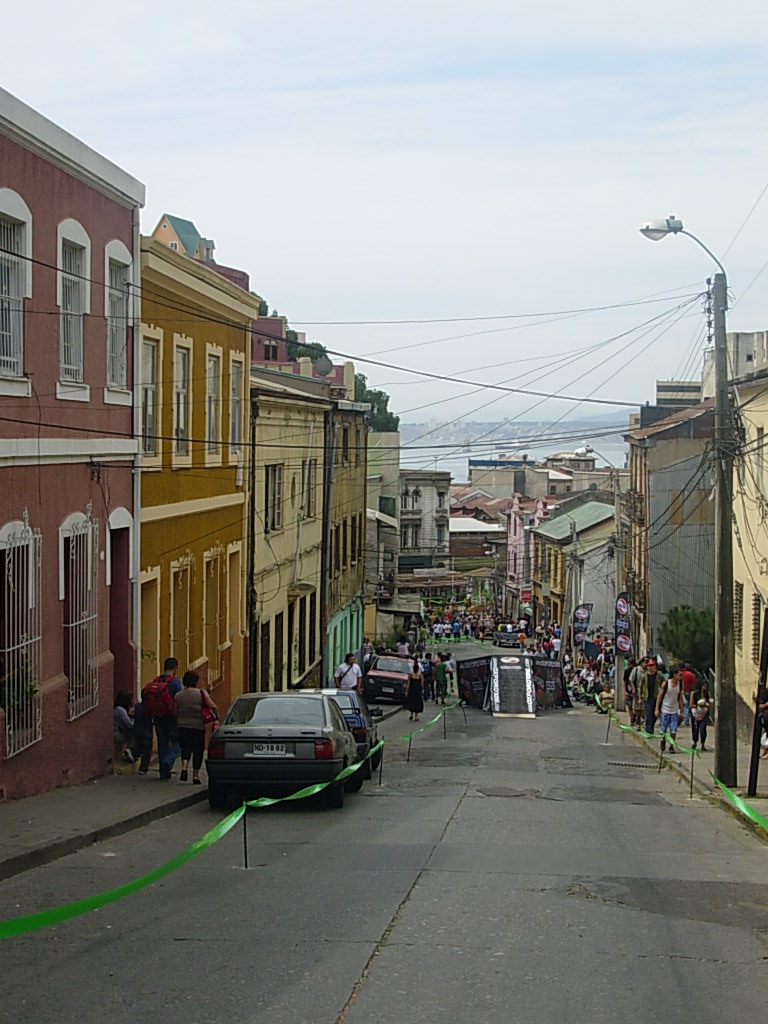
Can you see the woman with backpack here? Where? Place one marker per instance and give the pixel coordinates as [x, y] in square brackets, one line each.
[191, 718]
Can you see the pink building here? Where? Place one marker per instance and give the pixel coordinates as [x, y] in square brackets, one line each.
[69, 230]
[521, 514]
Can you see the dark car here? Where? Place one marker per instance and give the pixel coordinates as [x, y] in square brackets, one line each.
[506, 635]
[273, 744]
[364, 729]
[387, 678]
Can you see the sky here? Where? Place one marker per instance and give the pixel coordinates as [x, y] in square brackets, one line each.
[446, 162]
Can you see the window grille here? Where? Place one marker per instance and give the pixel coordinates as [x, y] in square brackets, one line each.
[757, 615]
[235, 407]
[181, 402]
[20, 638]
[738, 611]
[312, 627]
[11, 299]
[309, 488]
[353, 540]
[149, 397]
[81, 616]
[302, 635]
[181, 577]
[212, 614]
[213, 381]
[72, 309]
[117, 325]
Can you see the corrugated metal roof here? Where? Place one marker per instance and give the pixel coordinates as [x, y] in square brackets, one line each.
[464, 524]
[585, 516]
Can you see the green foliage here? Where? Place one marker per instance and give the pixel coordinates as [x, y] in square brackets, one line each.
[295, 350]
[379, 418]
[17, 687]
[689, 635]
[263, 305]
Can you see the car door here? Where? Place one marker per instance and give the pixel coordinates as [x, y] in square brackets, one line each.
[346, 740]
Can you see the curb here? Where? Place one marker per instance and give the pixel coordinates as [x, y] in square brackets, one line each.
[50, 852]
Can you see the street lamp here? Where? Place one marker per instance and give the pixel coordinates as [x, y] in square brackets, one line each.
[725, 683]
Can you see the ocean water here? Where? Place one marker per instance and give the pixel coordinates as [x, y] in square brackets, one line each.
[606, 454]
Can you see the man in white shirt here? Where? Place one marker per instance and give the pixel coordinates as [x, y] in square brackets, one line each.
[348, 675]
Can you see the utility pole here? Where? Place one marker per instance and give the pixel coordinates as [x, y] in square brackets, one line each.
[618, 656]
[725, 670]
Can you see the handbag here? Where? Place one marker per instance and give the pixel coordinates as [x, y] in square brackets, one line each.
[208, 714]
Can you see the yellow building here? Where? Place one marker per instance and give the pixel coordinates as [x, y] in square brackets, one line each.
[194, 352]
[750, 541]
[289, 421]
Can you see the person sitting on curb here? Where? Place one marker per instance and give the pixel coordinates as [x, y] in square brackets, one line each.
[669, 707]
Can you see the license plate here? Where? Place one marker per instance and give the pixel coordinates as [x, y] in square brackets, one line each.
[387, 689]
[269, 749]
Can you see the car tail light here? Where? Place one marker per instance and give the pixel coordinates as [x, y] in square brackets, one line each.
[323, 750]
[360, 733]
[216, 749]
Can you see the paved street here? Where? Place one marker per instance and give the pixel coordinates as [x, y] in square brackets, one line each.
[517, 871]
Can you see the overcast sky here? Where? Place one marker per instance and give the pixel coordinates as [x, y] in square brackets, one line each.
[417, 160]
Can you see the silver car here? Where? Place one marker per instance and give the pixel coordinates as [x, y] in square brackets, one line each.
[272, 744]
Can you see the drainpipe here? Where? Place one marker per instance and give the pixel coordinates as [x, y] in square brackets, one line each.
[327, 568]
[135, 307]
[251, 592]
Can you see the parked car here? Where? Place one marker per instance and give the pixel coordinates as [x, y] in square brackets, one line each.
[364, 729]
[506, 635]
[387, 678]
[272, 744]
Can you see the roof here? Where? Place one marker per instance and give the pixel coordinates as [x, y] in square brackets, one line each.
[584, 517]
[465, 524]
[187, 233]
[693, 412]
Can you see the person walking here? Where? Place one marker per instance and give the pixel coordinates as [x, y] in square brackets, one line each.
[441, 677]
[429, 679]
[669, 707]
[701, 702]
[189, 703]
[689, 685]
[649, 682]
[414, 694]
[348, 675]
[158, 699]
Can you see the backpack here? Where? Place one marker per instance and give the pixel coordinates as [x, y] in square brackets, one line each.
[157, 699]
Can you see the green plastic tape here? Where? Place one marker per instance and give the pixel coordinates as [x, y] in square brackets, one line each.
[45, 918]
[427, 725]
[741, 805]
[316, 787]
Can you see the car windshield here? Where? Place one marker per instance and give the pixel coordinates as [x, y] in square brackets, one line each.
[345, 701]
[276, 711]
[393, 665]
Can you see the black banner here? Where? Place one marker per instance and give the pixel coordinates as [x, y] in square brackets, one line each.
[473, 675]
[582, 613]
[623, 624]
[549, 684]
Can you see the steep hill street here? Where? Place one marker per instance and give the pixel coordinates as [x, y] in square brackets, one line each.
[514, 871]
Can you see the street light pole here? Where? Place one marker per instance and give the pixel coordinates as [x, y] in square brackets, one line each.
[725, 670]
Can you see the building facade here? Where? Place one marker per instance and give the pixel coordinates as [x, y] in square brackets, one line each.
[424, 513]
[69, 269]
[193, 400]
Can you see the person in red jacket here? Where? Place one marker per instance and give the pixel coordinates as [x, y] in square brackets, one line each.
[689, 685]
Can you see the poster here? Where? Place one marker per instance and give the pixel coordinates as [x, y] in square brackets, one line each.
[581, 616]
[549, 684]
[623, 624]
[472, 679]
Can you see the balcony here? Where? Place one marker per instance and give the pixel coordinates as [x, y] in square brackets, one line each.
[636, 506]
[410, 515]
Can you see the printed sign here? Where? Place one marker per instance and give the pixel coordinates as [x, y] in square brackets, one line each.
[623, 623]
[581, 616]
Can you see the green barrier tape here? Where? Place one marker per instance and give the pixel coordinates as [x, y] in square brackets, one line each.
[31, 922]
[427, 725]
[741, 805]
[316, 787]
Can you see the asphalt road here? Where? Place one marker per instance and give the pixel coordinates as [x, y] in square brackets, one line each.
[516, 871]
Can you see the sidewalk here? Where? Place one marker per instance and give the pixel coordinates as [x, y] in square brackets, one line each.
[703, 763]
[40, 829]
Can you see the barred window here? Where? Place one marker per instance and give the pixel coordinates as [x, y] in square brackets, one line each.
[72, 310]
[11, 298]
[213, 403]
[117, 325]
[213, 618]
[181, 574]
[235, 407]
[81, 609]
[149, 398]
[181, 402]
[757, 608]
[738, 611]
[309, 488]
[273, 497]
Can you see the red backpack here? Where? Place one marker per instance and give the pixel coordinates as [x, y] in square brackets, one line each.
[157, 699]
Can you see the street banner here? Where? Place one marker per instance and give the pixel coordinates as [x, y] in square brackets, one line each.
[549, 683]
[581, 616]
[623, 624]
[512, 690]
[473, 675]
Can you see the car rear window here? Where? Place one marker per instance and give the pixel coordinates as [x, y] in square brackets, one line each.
[276, 710]
[393, 665]
[345, 701]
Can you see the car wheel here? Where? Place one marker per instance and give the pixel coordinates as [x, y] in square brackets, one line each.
[217, 796]
[334, 795]
[355, 781]
[375, 760]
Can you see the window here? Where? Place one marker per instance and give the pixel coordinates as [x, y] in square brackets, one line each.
[302, 635]
[344, 544]
[181, 401]
[270, 351]
[72, 309]
[213, 400]
[312, 627]
[235, 407]
[181, 572]
[404, 500]
[212, 617]
[278, 679]
[416, 499]
[358, 446]
[345, 445]
[757, 608]
[415, 536]
[20, 634]
[273, 498]
[353, 541]
[441, 535]
[337, 548]
[738, 611]
[117, 324]
[309, 488]
[265, 660]
[403, 536]
[11, 298]
[80, 537]
[441, 499]
[149, 398]
[173, 245]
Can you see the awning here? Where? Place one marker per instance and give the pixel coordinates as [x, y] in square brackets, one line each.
[382, 517]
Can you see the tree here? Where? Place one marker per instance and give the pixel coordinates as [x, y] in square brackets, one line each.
[379, 418]
[296, 350]
[689, 635]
